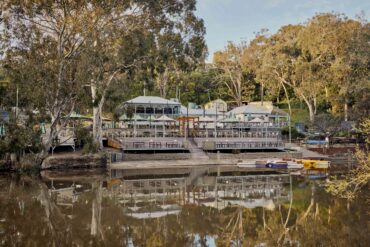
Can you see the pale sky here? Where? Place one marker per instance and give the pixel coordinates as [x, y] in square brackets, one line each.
[236, 20]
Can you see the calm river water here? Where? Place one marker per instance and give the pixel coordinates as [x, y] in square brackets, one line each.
[182, 207]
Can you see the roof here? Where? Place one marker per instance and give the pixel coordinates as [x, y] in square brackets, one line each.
[257, 108]
[257, 120]
[151, 100]
[197, 112]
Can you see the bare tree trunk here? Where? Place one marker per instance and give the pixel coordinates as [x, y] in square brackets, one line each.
[262, 93]
[98, 107]
[346, 109]
[311, 111]
[288, 99]
[310, 106]
[96, 210]
[278, 94]
[97, 118]
[54, 218]
[162, 83]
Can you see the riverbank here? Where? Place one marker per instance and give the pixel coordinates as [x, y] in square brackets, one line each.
[115, 158]
[5, 165]
[74, 160]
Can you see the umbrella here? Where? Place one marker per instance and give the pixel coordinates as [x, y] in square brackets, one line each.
[137, 117]
[123, 117]
[151, 118]
[164, 118]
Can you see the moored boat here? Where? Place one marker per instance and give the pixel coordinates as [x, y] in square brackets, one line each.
[315, 164]
[275, 164]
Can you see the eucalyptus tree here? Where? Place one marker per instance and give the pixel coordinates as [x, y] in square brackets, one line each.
[232, 72]
[253, 61]
[279, 59]
[42, 42]
[133, 37]
[350, 66]
[177, 51]
[77, 44]
[336, 55]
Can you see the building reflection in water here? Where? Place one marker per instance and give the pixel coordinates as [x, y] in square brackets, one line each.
[191, 207]
[158, 197]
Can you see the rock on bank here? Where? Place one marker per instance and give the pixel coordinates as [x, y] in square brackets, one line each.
[71, 161]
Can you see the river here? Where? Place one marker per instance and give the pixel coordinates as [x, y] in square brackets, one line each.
[188, 207]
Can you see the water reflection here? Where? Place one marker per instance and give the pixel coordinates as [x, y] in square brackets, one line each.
[201, 207]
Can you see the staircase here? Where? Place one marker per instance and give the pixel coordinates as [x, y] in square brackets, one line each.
[196, 152]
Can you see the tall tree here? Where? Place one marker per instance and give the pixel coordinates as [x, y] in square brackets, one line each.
[42, 43]
[232, 73]
[94, 41]
[132, 43]
[176, 52]
[279, 60]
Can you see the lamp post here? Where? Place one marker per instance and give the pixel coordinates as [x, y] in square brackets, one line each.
[215, 134]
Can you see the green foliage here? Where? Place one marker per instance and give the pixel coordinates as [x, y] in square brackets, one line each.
[85, 139]
[351, 185]
[294, 133]
[323, 63]
[90, 147]
[20, 138]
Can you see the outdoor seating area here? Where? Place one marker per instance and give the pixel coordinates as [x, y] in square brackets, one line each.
[160, 144]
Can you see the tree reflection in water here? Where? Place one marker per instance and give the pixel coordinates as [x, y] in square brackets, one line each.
[223, 211]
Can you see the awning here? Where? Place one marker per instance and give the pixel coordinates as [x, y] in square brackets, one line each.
[151, 118]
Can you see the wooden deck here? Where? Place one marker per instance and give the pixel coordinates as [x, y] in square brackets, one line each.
[206, 144]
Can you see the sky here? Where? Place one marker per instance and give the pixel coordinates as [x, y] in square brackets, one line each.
[239, 20]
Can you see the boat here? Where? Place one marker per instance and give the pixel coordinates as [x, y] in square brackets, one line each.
[294, 165]
[315, 164]
[275, 164]
[246, 164]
